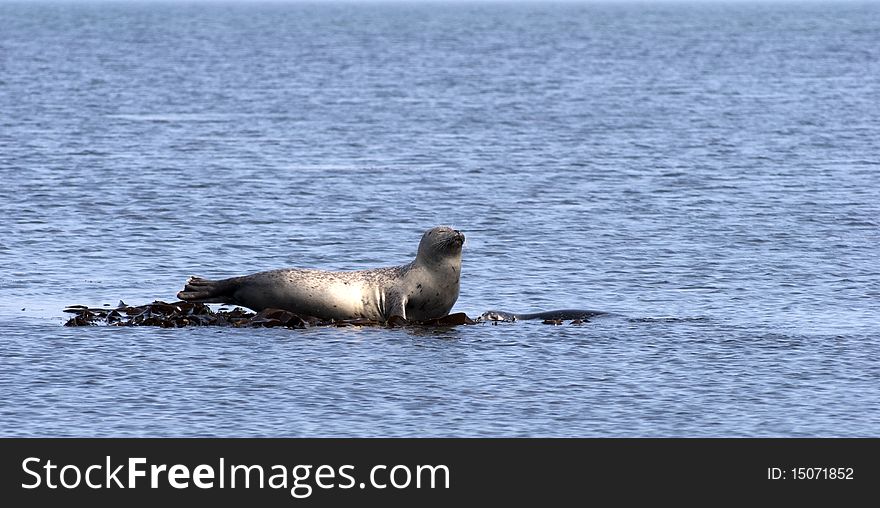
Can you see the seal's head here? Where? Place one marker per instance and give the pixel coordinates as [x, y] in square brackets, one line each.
[441, 245]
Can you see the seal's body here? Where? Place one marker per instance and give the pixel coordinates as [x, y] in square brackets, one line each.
[426, 288]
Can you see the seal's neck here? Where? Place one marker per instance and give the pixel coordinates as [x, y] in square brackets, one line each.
[445, 263]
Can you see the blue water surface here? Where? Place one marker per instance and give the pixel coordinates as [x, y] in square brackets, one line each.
[708, 172]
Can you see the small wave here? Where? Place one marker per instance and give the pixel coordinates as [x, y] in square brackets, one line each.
[172, 117]
[668, 319]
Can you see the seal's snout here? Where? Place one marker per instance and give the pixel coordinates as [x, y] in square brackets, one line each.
[459, 237]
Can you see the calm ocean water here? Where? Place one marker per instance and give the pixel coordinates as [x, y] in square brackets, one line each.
[709, 172]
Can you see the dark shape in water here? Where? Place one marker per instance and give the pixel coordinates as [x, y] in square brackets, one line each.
[180, 314]
[550, 317]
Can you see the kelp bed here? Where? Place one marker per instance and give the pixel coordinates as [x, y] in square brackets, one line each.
[181, 314]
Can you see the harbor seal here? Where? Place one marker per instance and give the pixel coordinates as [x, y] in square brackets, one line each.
[424, 289]
[562, 314]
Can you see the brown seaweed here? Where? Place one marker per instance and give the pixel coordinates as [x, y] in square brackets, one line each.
[181, 314]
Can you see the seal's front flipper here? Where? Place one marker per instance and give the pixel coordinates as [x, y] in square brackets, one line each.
[395, 307]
